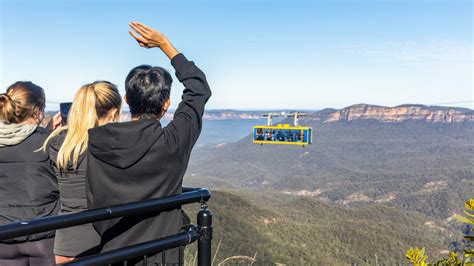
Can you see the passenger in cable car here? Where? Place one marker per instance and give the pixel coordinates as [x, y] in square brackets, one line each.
[260, 135]
[290, 136]
[268, 134]
[280, 136]
[300, 135]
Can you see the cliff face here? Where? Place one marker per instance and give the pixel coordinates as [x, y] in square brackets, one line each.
[435, 114]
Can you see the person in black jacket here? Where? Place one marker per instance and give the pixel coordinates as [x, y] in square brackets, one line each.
[28, 186]
[94, 104]
[140, 159]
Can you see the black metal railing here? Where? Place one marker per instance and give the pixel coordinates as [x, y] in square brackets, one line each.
[202, 232]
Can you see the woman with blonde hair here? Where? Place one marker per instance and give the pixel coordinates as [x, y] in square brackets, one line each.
[94, 104]
[27, 181]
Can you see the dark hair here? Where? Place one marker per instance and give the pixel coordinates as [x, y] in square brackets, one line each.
[23, 100]
[147, 88]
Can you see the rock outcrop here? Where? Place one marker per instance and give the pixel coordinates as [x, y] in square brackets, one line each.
[400, 113]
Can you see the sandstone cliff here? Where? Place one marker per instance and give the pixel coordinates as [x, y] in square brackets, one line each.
[396, 114]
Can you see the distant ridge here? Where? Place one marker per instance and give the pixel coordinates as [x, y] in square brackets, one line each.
[361, 111]
[435, 114]
[354, 112]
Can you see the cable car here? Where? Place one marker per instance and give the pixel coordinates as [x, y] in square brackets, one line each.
[283, 134]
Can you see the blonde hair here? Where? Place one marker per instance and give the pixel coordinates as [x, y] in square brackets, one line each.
[91, 103]
[22, 101]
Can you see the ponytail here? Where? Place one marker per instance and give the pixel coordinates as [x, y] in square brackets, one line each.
[91, 102]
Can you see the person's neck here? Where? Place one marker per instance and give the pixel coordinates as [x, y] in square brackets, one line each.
[30, 121]
[136, 118]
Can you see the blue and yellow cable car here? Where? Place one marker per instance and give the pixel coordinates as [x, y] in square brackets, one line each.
[284, 134]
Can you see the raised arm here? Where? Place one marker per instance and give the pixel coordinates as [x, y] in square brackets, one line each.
[183, 132]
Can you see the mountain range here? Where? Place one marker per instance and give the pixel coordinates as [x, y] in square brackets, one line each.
[415, 160]
[357, 112]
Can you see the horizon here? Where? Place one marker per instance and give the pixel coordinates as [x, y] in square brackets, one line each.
[299, 55]
[171, 110]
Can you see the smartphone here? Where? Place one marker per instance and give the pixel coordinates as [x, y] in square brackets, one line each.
[64, 109]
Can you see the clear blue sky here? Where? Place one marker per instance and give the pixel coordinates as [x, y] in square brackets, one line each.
[256, 54]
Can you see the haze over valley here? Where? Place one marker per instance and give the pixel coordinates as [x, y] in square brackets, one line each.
[374, 178]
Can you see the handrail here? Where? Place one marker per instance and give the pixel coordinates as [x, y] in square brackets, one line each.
[43, 224]
[139, 250]
[202, 233]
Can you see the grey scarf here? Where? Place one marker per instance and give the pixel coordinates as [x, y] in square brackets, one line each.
[13, 134]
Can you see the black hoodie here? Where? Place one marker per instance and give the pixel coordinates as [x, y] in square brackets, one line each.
[140, 160]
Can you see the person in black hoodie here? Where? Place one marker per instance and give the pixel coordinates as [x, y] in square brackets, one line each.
[140, 159]
[28, 186]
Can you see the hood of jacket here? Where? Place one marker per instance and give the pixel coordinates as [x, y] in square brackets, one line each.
[123, 144]
[13, 134]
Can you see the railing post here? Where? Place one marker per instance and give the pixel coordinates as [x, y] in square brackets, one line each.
[204, 221]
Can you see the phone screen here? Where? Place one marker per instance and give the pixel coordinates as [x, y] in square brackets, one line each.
[64, 109]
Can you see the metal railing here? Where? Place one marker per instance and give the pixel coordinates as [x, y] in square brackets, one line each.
[202, 232]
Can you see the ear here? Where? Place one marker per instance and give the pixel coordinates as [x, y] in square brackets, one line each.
[166, 105]
[112, 115]
[125, 98]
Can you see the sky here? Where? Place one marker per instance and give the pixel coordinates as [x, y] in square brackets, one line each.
[256, 54]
